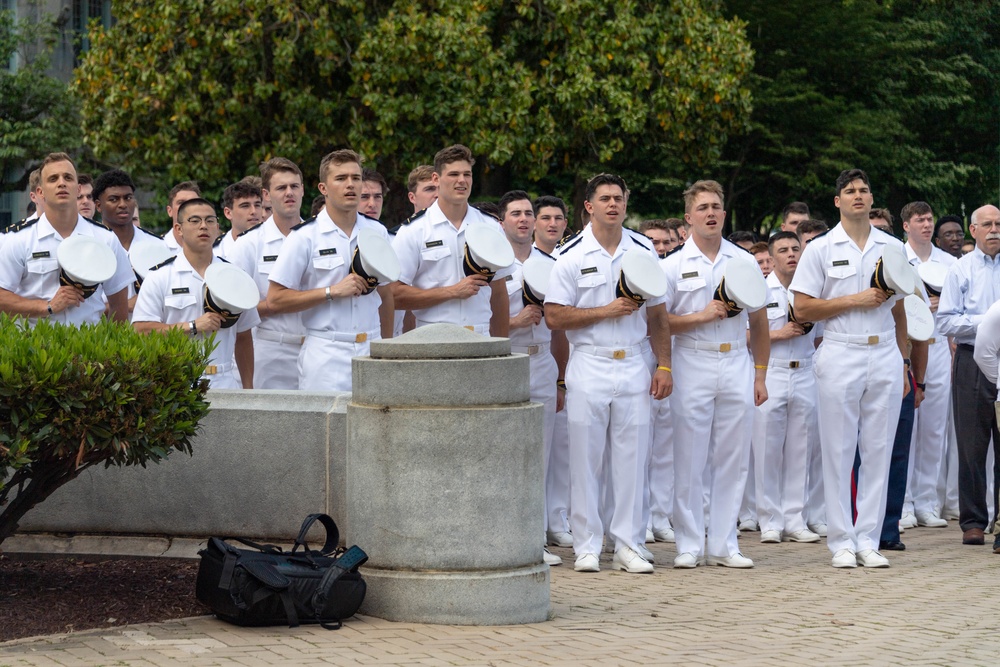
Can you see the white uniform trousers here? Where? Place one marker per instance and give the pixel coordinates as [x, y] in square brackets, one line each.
[557, 478]
[276, 363]
[930, 427]
[713, 419]
[325, 364]
[783, 427]
[860, 391]
[815, 505]
[542, 377]
[660, 471]
[748, 482]
[608, 408]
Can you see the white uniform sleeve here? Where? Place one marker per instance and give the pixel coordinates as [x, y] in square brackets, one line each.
[293, 260]
[405, 244]
[248, 320]
[150, 303]
[810, 276]
[11, 263]
[562, 283]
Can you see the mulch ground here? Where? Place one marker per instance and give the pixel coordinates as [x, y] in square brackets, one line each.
[40, 597]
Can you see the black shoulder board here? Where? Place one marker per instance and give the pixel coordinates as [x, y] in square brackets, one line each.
[819, 236]
[415, 216]
[217, 242]
[574, 240]
[568, 239]
[368, 217]
[545, 253]
[146, 231]
[637, 241]
[223, 259]
[395, 230]
[23, 224]
[304, 223]
[677, 249]
[257, 226]
[98, 224]
[164, 263]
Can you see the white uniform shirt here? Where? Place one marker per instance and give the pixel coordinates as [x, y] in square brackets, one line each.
[536, 333]
[318, 254]
[224, 247]
[175, 293]
[793, 349]
[256, 251]
[431, 253]
[832, 266]
[29, 267]
[691, 282]
[938, 256]
[141, 237]
[171, 240]
[970, 288]
[585, 276]
[987, 353]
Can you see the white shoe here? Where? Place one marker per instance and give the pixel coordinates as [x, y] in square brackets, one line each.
[550, 559]
[845, 558]
[686, 561]
[650, 538]
[908, 520]
[770, 537]
[664, 534]
[950, 514]
[559, 538]
[930, 520]
[804, 535]
[902, 529]
[588, 563]
[872, 558]
[630, 561]
[818, 528]
[644, 552]
[748, 526]
[736, 560]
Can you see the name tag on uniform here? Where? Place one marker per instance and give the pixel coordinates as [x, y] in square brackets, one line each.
[40, 255]
[841, 262]
[689, 274]
[773, 304]
[322, 253]
[509, 278]
[274, 258]
[589, 269]
[434, 244]
[180, 290]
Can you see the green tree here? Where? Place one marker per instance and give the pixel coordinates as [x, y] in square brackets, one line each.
[37, 114]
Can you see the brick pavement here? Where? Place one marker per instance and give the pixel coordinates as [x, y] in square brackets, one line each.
[930, 608]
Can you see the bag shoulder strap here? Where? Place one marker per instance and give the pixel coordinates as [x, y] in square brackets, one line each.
[349, 561]
[332, 534]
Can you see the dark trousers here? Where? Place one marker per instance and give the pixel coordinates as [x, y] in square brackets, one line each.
[973, 398]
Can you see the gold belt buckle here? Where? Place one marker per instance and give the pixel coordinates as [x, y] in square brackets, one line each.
[873, 340]
[532, 349]
[470, 328]
[211, 370]
[794, 364]
[725, 347]
[360, 338]
[618, 354]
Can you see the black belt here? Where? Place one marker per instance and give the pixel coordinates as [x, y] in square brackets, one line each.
[966, 346]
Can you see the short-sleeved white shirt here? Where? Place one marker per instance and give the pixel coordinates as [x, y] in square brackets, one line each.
[797, 348]
[691, 282]
[174, 292]
[317, 253]
[585, 276]
[256, 251]
[171, 240]
[536, 333]
[431, 251]
[833, 266]
[224, 246]
[970, 288]
[29, 267]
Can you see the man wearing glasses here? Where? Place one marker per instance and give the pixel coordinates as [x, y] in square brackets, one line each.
[172, 297]
[949, 233]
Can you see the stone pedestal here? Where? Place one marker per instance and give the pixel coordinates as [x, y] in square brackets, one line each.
[444, 483]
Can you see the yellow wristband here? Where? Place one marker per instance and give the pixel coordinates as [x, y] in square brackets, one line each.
[664, 368]
[760, 368]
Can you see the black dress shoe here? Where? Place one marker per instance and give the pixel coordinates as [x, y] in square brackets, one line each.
[891, 546]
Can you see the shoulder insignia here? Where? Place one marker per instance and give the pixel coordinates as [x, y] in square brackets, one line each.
[819, 236]
[217, 242]
[223, 259]
[568, 239]
[415, 216]
[257, 226]
[572, 243]
[23, 224]
[146, 231]
[545, 253]
[304, 223]
[677, 249]
[638, 242]
[394, 230]
[164, 263]
[368, 217]
[98, 224]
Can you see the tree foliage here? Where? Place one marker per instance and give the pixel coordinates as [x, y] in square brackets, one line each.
[71, 398]
[37, 114]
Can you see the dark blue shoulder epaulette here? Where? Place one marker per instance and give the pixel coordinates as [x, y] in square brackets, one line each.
[677, 249]
[545, 253]
[304, 223]
[257, 226]
[819, 236]
[569, 238]
[217, 242]
[413, 217]
[164, 263]
[368, 217]
[633, 235]
[574, 242]
[22, 224]
[394, 230]
[96, 223]
[146, 231]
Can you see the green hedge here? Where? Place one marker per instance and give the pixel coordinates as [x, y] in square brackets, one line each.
[73, 397]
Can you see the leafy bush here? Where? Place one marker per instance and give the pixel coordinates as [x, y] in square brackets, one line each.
[73, 397]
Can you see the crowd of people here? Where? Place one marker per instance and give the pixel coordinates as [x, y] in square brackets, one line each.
[676, 415]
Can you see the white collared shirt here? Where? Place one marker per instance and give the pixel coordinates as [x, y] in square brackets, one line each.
[318, 254]
[987, 352]
[833, 266]
[691, 282]
[938, 256]
[793, 349]
[171, 240]
[225, 246]
[585, 276]
[257, 252]
[431, 252]
[970, 288]
[536, 333]
[175, 293]
[29, 267]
